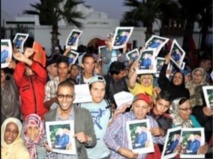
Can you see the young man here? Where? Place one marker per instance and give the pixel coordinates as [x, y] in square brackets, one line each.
[116, 80]
[83, 125]
[162, 104]
[109, 55]
[116, 135]
[51, 86]
[101, 112]
[88, 64]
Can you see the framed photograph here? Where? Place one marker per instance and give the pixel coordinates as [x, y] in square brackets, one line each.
[208, 95]
[133, 55]
[147, 62]
[156, 43]
[121, 37]
[6, 52]
[173, 138]
[191, 140]
[82, 96]
[60, 136]
[159, 64]
[139, 136]
[19, 41]
[73, 39]
[72, 56]
[177, 54]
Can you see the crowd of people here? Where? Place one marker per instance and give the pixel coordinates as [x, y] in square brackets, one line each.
[32, 95]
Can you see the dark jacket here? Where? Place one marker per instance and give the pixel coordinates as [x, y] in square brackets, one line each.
[175, 91]
[31, 89]
[82, 123]
[113, 87]
[10, 106]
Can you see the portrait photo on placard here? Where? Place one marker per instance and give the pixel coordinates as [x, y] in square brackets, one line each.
[173, 138]
[6, 52]
[73, 39]
[72, 56]
[147, 62]
[132, 55]
[191, 140]
[208, 96]
[177, 54]
[139, 136]
[121, 36]
[156, 42]
[60, 136]
[19, 41]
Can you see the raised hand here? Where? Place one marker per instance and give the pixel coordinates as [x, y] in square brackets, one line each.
[28, 52]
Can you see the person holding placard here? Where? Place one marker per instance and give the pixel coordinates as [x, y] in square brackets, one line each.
[109, 55]
[83, 125]
[116, 134]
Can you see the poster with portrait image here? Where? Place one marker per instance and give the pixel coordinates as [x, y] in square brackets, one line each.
[156, 43]
[139, 137]
[19, 41]
[177, 54]
[183, 66]
[171, 69]
[6, 52]
[121, 37]
[172, 141]
[159, 64]
[208, 95]
[73, 39]
[191, 140]
[60, 136]
[133, 55]
[147, 62]
[72, 56]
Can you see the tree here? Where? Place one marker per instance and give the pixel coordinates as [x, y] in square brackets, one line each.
[50, 12]
[191, 10]
[146, 12]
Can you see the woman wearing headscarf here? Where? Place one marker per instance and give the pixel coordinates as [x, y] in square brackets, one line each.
[141, 84]
[181, 113]
[34, 136]
[176, 86]
[12, 145]
[195, 86]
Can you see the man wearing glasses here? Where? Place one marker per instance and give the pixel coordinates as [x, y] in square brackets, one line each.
[83, 124]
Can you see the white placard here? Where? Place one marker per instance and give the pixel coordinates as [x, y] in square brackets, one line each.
[19, 41]
[82, 94]
[73, 39]
[123, 98]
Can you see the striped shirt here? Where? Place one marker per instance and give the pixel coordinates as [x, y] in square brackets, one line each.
[116, 135]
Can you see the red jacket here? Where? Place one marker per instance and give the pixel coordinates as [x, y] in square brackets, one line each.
[31, 89]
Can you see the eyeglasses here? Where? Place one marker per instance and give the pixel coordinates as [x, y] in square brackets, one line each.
[185, 109]
[67, 96]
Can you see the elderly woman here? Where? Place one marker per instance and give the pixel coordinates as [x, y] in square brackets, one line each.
[12, 145]
[195, 86]
[33, 137]
[181, 112]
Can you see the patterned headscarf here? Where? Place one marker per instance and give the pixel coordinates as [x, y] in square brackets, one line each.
[33, 119]
[174, 113]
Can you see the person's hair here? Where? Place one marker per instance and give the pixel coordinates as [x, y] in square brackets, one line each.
[63, 59]
[204, 59]
[183, 100]
[74, 65]
[116, 67]
[67, 83]
[164, 95]
[87, 56]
